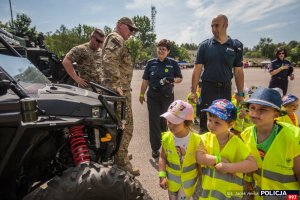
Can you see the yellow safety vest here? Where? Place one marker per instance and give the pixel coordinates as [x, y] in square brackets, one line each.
[275, 171]
[185, 175]
[287, 119]
[216, 185]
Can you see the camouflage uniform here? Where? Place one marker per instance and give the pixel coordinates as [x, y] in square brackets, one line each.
[88, 62]
[117, 73]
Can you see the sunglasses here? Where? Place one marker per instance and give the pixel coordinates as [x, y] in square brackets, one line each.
[130, 28]
[281, 53]
[99, 41]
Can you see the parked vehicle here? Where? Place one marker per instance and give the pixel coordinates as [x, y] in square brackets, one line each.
[57, 141]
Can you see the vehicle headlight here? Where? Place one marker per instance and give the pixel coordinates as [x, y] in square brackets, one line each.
[95, 111]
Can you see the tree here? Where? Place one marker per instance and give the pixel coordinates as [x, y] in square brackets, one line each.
[64, 39]
[107, 30]
[145, 34]
[21, 27]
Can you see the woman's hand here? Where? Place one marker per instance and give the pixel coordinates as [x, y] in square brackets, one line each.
[163, 183]
[142, 99]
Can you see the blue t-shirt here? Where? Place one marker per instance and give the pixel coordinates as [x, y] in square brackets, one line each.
[156, 70]
[219, 59]
[275, 64]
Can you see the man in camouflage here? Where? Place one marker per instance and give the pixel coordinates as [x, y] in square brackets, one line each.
[117, 75]
[88, 59]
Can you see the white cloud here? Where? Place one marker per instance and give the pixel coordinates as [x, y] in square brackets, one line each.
[270, 26]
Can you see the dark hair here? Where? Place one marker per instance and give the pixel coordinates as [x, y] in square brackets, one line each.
[188, 123]
[280, 49]
[164, 43]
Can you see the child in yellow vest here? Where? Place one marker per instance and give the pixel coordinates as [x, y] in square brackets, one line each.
[243, 119]
[178, 170]
[274, 145]
[290, 104]
[195, 104]
[223, 155]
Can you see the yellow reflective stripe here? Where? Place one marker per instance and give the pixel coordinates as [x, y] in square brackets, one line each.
[190, 183]
[276, 176]
[225, 177]
[173, 166]
[189, 168]
[174, 178]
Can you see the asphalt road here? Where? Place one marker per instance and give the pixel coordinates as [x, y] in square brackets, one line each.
[140, 145]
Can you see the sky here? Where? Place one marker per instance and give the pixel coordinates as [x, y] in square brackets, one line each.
[182, 21]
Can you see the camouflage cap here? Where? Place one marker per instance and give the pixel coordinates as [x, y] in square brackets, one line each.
[129, 22]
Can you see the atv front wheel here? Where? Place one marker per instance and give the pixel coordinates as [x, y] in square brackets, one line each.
[91, 182]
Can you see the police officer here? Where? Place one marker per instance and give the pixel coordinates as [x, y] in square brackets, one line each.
[159, 77]
[117, 75]
[280, 69]
[219, 56]
[87, 56]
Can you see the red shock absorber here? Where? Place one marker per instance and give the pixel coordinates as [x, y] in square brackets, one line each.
[78, 145]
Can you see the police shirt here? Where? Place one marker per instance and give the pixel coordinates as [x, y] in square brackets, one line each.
[156, 70]
[219, 59]
[275, 64]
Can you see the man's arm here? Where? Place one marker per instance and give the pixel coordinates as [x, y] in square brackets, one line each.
[239, 81]
[296, 168]
[68, 65]
[195, 79]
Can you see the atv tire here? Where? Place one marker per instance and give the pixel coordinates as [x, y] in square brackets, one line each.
[91, 182]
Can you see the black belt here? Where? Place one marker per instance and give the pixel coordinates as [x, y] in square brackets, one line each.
[217, 84]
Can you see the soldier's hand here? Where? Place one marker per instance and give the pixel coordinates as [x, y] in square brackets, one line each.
[120, 91]
[81, 82]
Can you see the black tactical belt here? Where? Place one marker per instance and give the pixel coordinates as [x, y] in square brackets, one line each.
[217, 84]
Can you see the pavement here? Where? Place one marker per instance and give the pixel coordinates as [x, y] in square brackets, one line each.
[140, 144]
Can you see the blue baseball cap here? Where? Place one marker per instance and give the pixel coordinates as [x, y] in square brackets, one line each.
[266, 97]
[288, 99]
[223, 109]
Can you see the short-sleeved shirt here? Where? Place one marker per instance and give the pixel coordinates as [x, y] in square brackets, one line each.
[219, 59]
[156, 70]
[88, 61]
[275, 64]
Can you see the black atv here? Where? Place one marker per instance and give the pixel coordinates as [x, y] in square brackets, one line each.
[57, 141]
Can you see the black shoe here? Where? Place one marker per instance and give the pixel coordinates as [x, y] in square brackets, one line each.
[155, 154]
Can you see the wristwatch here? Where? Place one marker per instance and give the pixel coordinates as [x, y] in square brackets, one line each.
[240, 94]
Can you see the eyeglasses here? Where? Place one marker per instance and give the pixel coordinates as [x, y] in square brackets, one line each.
[281, 53]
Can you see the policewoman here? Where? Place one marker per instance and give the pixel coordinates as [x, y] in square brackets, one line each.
[280, 69]
[159, 77]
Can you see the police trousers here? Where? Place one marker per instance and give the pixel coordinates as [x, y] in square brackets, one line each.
[157, 104]
[211, 91]
[278, 82]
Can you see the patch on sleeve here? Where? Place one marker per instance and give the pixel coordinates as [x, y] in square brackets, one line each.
[113, 43]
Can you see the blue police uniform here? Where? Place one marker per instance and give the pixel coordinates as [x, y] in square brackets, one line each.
[159, 95]
[218, 61]
[280, 80]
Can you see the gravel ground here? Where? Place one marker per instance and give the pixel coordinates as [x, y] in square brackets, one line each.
[140, 145]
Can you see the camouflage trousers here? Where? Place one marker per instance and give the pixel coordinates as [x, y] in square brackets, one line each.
[121, 157]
